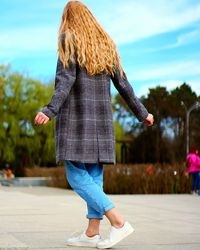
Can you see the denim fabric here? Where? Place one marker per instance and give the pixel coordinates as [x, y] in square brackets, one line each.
[195, 181]
[86, 179]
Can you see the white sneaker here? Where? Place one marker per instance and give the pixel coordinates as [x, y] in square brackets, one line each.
[82, 240]
[116, 235]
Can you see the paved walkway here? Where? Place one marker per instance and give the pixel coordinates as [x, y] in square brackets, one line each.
[42, 218]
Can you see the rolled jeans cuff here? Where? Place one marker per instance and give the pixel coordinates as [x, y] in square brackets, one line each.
[106, 209]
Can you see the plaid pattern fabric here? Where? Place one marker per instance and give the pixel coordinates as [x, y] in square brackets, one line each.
[81, 103]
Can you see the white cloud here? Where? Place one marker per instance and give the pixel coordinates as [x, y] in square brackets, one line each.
[183, 39]
[35, 38]
[133, 20]
[170, 85]
[165, 71]
[126, 21]
[169, 75]
[187, 38]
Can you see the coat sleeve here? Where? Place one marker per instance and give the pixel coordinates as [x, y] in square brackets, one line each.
[127, 93]
[197, 161]
[64, 80]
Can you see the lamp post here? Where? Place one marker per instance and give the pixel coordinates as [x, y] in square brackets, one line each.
[188, 111]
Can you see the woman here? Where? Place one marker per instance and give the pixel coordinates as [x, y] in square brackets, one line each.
[87, 60]
[193, 163]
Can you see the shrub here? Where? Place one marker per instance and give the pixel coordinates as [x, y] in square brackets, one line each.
[129, 178]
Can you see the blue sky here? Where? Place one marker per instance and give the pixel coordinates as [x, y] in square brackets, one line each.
[158, 40]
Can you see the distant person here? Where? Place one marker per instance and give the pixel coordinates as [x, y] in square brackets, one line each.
[193, 163]
[88, 59]
[4, 173]
[9, 174]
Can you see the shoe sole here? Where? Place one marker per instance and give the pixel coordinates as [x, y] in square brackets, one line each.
[81, 244]
[123, 236]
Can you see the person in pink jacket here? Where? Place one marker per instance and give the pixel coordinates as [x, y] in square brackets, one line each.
[193, 163]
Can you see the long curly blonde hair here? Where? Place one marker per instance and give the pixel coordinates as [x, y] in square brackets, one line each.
[86, 41]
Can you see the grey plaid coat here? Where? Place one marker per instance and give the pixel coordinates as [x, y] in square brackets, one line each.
[84, 128]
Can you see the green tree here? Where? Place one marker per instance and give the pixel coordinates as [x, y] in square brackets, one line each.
[22, 143]
[165, 141]
[178, 95]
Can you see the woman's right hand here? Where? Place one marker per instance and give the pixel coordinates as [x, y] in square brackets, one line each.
[41, 119]
[149, 120]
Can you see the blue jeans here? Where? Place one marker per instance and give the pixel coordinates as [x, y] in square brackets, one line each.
[86, 179]
[195, 181]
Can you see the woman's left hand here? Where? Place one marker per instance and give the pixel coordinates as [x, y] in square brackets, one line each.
[41, 118]
[149, 120]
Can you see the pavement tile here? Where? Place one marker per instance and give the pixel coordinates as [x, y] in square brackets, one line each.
[9, 242]
[42, 218]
